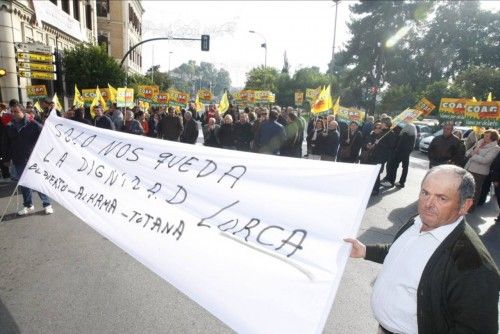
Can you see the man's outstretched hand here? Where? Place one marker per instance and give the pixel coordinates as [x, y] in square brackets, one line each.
[358, 249]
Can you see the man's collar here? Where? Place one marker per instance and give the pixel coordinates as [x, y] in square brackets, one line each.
[440, 232]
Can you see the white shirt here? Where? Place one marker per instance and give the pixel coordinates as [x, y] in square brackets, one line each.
[394, 297]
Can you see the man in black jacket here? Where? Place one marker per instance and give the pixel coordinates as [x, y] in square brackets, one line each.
[21, 135]
[404, 147]
[437, 276]
[190, 133]
[445, 149]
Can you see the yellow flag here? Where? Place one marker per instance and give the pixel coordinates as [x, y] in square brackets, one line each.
[223, 104]
[98, 100]
[328, 98]
[197, 104]
[112, 93]
[323, 103]
[57, 104]
[38, 107]
[336, 106]
[78, 100]
[490, 98]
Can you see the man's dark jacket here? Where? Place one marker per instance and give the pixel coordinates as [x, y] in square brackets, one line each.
[190, 133]
[104, 122]
[444, 150]
[20, 139]
[458, 289]
[170, 127]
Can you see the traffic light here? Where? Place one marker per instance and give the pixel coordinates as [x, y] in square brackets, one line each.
[205, 42]
[3, 72]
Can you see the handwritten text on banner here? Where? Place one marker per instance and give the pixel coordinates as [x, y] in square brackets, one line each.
[255, 239]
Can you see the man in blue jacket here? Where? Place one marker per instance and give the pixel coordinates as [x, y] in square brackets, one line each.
[272, 135]
[21, 136]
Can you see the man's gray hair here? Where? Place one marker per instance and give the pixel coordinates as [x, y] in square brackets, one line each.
[467, 184]
[188, 115]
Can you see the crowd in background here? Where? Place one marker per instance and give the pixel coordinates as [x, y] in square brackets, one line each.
[282, 130]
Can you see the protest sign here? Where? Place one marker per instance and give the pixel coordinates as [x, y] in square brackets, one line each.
[312, 94]
[452, 109]
[177, 98]
[407, 116]
[299, 98]
[205, 96]
[482, 113]
[237, 232]
[146, 93]
[351, 114]
[36, 92]
[125, 97]
[425, 107]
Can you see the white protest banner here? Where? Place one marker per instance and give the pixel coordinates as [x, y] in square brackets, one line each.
[255, 239]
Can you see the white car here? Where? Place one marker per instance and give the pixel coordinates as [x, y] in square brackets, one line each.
[425, 142]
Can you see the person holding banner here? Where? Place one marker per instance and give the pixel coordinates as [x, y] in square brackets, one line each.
[21, 135]
[437, 275]
[480, 158]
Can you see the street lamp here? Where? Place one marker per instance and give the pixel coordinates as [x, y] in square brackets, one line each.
[263, 45]
[169, 54]
[334, 34]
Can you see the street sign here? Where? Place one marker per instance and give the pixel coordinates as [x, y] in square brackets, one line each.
[205, 42]
[36, 67]
[23, 56]
[34, 47]
[38, 75]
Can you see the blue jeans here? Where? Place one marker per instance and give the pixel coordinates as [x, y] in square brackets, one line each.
[28, 193]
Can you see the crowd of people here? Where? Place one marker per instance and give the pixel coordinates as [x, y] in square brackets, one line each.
[282, 130]
[437, 276]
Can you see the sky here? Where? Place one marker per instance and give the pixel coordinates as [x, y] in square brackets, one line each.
[302, 29]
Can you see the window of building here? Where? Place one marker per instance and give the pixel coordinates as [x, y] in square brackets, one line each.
[88, 16]
[102, 7]
[39, 36]
[76, 10]
[51, 41]
[28, 34]
[65, 5]
[102, 39]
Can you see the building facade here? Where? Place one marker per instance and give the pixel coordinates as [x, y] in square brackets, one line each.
[59, 24]
[119, 26]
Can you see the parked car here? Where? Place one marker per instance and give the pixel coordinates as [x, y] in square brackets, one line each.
[425, 142]
[423, 131]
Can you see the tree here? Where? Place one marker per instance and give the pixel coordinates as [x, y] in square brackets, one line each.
[365, 58]
[190, 77]
[160, 79]
[397, 98]
[262, 78]
[460, 36]
[478, 82]
[89, 66]
[309, 77]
